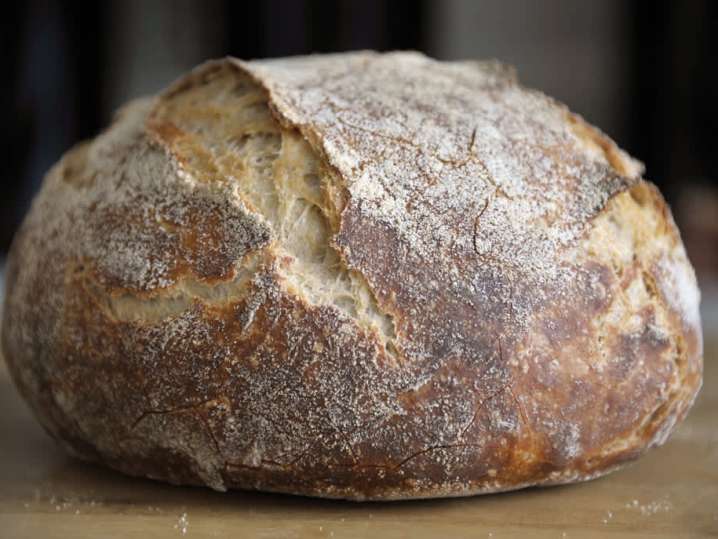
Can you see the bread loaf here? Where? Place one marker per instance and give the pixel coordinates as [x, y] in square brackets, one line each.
[363, 276]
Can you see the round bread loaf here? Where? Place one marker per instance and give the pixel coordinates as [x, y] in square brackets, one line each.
[363, 276]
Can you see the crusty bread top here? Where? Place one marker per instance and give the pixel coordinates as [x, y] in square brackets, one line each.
[356, 262]
[457, 160]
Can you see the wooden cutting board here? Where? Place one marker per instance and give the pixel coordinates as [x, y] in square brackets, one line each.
[671, 492]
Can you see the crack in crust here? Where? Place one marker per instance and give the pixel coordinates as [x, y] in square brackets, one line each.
[278, 175]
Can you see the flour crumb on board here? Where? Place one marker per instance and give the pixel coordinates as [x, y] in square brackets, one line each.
[182, 524]
[608, 517]
[650, 508]
[60, 504]
[654, 507]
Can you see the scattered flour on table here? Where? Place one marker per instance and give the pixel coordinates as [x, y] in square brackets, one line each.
[650, 508]
[182, 524]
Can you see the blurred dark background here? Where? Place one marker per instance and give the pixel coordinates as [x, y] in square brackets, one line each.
[645, 72]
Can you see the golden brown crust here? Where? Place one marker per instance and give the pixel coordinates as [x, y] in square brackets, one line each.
[357, 276]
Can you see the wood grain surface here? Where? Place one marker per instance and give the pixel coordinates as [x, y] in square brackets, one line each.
[671, 492]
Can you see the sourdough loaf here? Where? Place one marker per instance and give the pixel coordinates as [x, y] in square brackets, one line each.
[363, 276]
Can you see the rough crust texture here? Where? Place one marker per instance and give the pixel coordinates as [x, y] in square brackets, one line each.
[354, 276]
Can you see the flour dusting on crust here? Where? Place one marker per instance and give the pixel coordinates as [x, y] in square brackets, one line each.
[363, 276]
